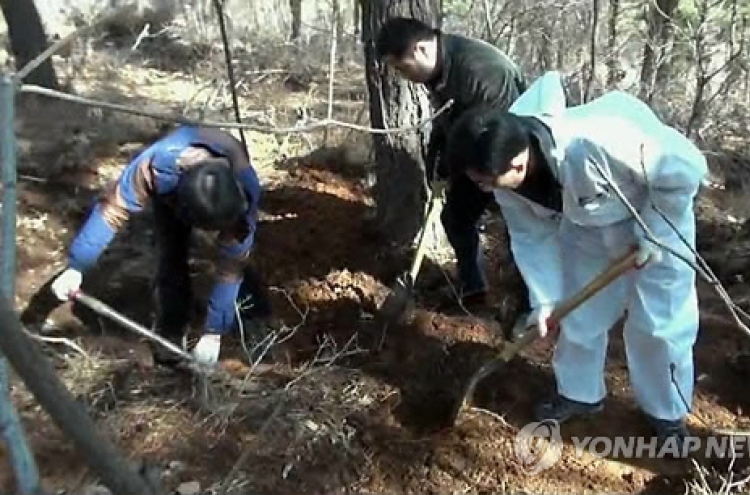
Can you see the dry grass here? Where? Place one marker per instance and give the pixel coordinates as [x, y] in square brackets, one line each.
[276, 421]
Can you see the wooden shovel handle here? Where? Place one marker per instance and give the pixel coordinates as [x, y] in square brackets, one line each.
[615, 270]
[435, 198]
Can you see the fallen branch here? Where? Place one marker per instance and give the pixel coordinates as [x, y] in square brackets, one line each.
[60, 341]
[40, 378]
[321, 124]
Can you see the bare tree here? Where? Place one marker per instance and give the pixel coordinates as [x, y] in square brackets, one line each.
[296, 7]
[613, 58]
[28, 39]
[704, 50]
[592, 50]
[657, 49]
[357, 16]
[400, 189]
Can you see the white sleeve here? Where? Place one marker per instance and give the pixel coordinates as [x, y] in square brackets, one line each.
[677, 170]
[535, 246]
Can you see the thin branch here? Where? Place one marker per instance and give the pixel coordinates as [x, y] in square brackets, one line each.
[59, 340]
[706, 275]
[321, 124]
[230, 68]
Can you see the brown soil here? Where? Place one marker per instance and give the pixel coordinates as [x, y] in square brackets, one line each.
[373, 420]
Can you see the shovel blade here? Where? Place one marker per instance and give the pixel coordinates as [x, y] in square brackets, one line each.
[396, 303]
[465, 398]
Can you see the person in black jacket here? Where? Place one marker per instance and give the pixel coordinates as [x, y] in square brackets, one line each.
[471, 72]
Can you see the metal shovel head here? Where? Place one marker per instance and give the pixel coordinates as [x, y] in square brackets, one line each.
[464, 399]
[616, 269]
[495, 365]
[396, 303]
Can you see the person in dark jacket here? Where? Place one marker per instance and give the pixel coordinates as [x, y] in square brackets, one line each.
[193, 177]
[472, 73]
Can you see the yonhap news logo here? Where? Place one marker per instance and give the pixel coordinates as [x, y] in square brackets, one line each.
[539, 446]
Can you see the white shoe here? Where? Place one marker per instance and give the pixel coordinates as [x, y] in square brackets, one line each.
[208, 348]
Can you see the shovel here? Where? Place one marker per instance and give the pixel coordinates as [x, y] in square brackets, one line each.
[615, 270]
[400, 294]
[104, 310]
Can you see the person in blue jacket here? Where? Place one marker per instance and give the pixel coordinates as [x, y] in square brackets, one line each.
[194, 178]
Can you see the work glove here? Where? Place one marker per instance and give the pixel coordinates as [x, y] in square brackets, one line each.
[648, 252]
[207, 349]
[538, 318]
[67, 283]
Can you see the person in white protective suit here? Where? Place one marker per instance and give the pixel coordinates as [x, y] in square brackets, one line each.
[547, 165]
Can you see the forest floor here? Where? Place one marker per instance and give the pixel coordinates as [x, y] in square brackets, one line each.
[344, 407]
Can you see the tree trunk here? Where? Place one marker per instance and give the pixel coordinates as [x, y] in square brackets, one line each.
[658, 46]
[28, 39]
[116, 472]
[400, 190]
[357, 17]
[592, 51]
[296, 7]
[613, 62]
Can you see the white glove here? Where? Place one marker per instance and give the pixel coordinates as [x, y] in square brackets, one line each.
[538, 318]
[66, 283]
[207, 349]
[521, 325]
[648, 252]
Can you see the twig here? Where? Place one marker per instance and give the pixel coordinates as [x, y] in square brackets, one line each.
[702, 268]
[141, 37]
[650, 237]
[31, 178]
[500, 419]
[290, 299]
[59, 340]
[321, 124]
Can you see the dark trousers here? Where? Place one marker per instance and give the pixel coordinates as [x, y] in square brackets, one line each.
[173, 292]
[464, 205]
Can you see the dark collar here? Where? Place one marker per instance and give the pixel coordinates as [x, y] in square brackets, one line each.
[541, 184]
[444, 46]
[545, 143]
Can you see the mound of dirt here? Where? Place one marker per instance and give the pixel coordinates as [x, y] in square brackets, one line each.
[350, 406]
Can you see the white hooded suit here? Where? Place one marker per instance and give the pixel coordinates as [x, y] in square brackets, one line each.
[559, 253]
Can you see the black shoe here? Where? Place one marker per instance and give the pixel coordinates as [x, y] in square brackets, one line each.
[162, 355]
[562, 409]
[671, 436]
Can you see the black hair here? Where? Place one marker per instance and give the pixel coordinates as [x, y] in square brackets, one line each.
[485, 140]
[209, 196]
[398, 34]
